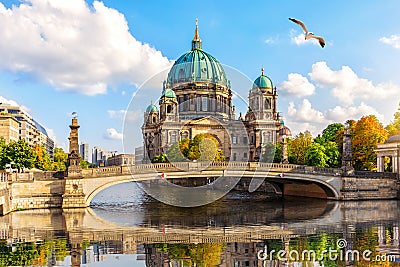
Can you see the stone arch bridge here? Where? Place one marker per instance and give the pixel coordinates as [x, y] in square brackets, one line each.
[46, 189]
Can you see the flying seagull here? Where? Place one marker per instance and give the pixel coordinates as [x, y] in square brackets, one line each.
[309, 35]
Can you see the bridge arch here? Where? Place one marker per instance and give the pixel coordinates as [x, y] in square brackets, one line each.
[306, 188]
[92, 192]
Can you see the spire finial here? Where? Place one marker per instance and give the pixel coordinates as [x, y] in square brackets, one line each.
[196, 42]
[262, 71]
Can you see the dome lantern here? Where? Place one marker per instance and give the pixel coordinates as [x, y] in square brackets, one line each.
[196, 42]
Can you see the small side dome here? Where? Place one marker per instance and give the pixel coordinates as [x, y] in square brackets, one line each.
[393, 139]
[285, 131]
[169, 93]
[151, 108]
[263, 82]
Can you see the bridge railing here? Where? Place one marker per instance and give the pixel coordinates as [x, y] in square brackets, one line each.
[192, 166]
[378, 175]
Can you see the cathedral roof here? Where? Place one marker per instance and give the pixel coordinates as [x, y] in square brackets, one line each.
[152, 108]
[393, 139]
[196, 66]
[262, 81]
[169, 93]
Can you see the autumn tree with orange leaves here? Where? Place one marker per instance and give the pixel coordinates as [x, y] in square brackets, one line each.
[366, 134]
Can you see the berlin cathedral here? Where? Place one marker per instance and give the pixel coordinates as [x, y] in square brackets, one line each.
[197, 98]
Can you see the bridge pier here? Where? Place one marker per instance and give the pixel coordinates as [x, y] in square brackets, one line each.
[73, 196]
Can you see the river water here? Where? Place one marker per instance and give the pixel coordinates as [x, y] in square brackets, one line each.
[125, 227]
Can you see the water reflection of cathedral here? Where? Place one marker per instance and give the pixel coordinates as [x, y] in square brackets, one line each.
[197, 98]
[235, 254]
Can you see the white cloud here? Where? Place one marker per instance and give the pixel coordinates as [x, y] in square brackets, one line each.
[131, 115]
[347, 86]
[393, 40]
[73, 46]
[299, 39]
[297, 85]
[52, 135]
[112, 134]
[341, 114]
[297, 127]
[13, 103]
[305, 113]
[271, 40]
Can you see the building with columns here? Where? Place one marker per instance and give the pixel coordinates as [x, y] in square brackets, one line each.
[196, 98]
[390, 150]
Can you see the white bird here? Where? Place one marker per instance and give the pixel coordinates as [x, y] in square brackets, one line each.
[309, 35]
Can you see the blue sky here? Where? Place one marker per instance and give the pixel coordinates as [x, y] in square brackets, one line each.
[57, 57]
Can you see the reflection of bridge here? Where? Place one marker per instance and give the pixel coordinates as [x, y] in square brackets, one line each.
[43, 190]
[79, 225]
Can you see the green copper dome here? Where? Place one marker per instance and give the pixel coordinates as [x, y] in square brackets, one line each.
[196, 66]
[262, 81]
[169, 93]
[151, 108]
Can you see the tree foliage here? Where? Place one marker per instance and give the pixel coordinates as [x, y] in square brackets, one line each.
[20, 153]
[203, 147]
[366, 134]
[60, 160]
[315, 155]
[298, 146]
[43, 161]
[393, 127]
[333, 132]
[272, 153]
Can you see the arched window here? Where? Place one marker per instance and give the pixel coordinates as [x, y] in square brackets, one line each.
[267, 103]
[173, 137]
[169, 108]
[204, 103]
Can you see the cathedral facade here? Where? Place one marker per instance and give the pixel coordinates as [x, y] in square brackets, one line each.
[197, 98]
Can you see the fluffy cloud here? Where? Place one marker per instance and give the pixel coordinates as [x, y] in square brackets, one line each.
[347, 86]
[299, 39]
[341, 114]
[393, 40]
[73, 46]
[297, 85]
[112, 134]
[13, 103]
[305, 113]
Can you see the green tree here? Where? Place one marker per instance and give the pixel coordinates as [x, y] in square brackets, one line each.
[176, 151]
[160, 159]
[315, 155]
[366, 134]
[393, 127]
[333, 132]
[43, 161]
[60, 160]
[84, 164]
[298, 146]
[333, 154]
[272, 153]
[20, 153]
[202, 147]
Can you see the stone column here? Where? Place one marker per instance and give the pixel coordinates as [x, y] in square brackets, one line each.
[380, 163]
[284, 159]
[381, 235]
[396, 235]
[395, 166]
[347, 158]
[73, 196]
[74, 168]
